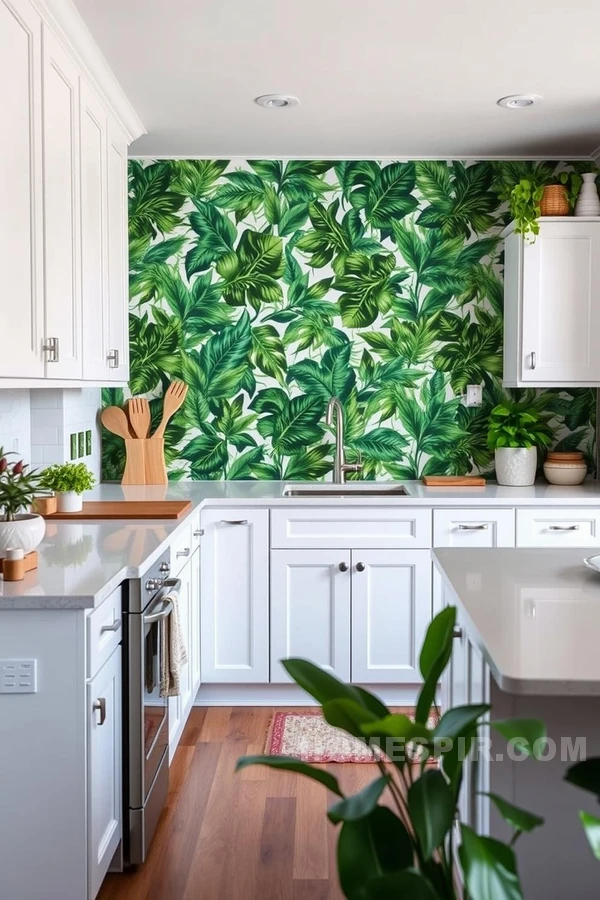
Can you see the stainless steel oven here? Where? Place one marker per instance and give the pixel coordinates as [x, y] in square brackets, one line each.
[145, 712]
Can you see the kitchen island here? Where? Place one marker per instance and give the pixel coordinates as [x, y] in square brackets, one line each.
[526, 642]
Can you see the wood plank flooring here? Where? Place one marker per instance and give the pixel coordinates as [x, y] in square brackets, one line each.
[257, 835]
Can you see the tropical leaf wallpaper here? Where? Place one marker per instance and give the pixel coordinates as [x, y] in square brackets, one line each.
[270, 286]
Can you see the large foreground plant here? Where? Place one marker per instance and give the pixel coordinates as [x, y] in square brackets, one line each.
[407, 849]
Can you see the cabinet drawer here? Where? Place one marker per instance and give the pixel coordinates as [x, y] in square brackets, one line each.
[344, 529]
[474, 528]
[558, 527]
[181, 548]
[104, 632]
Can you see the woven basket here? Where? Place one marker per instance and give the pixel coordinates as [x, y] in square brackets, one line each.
[555, 201]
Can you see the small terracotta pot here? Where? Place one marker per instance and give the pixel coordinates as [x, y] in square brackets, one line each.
[555, 201]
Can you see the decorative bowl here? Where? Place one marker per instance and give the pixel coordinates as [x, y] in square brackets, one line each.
[563, 473]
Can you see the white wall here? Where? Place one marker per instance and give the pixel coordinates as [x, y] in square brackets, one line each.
[38, 425]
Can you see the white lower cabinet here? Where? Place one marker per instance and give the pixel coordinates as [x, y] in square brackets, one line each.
[310, 610]
[194, 649]
[391, 609]
[234, 617]
[179, 706]
[104, 796]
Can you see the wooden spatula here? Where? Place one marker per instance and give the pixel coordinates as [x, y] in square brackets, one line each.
[172, 400]
[139, 416]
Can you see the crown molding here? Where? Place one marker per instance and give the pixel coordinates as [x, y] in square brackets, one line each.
[65, 20]
[343, 157]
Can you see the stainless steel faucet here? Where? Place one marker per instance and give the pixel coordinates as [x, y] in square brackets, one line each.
[340, 466]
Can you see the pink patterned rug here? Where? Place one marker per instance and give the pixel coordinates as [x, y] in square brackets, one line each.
[307, 736]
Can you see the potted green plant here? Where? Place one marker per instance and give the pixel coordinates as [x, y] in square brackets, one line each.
[515, 432]
[409, 848]
[19, 528]
[539, 195]
[68, 481]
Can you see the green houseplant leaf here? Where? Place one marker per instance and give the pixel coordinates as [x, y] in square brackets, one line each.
[431, 805]
[489, 867]
[290, 764]
[370, 847]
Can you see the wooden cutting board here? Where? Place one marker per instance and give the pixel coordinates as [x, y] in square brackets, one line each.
[128, 509]
[454, 481]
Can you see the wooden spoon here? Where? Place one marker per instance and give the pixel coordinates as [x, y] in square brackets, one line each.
[114, 419]
[173, 399]
[139, 416]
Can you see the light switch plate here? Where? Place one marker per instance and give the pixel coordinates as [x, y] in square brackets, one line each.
[18, 676]
[474, 396]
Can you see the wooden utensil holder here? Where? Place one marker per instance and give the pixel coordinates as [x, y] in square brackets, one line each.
[145, 461]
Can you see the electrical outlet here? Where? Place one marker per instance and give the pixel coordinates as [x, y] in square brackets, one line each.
[18, 676]
[474, 396]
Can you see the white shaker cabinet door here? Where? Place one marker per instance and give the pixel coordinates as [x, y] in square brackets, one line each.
[391, 609]
[561, 305]
[117, 355]
[234, 624]
[179, 706]
[94, 234]
[310, 610]
[62, 221]
[105, 815]
[21, 237]
[194, 650]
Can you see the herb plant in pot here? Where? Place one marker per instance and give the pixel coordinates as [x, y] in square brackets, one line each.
[515, 433]
[19, 529]
[68, 481]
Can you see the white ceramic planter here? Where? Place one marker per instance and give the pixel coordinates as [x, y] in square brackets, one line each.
[516, 466]
[25, 533]
[588, 202]
[69, 501]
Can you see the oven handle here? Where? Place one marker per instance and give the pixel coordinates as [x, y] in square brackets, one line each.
[171, 584]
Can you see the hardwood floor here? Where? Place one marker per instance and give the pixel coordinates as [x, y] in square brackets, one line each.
[257, 835]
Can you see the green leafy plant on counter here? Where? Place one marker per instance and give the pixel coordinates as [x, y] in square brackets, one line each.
[65, 477]
[518, 425]
[18, 486]
[408, 849]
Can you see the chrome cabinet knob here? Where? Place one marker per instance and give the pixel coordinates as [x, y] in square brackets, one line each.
[360, 567]
[165, 567]
[343, 567]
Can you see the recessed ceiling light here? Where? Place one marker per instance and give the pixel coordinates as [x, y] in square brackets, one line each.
[518, 101]
[276, 101]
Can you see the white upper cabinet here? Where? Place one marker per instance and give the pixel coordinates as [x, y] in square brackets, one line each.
[94, 232]
[63, 195]
[21, 191]
[552, 305]
[62, 221]
[117, 355]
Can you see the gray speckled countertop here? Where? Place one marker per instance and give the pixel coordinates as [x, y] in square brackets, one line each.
[80, 563]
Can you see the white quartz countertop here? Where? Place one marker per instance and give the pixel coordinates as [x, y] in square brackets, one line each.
[80, 563]
[534, 614]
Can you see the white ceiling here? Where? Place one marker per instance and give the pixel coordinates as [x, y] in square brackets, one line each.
[395, 78]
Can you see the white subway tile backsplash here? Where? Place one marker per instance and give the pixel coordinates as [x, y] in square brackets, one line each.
[39, 423]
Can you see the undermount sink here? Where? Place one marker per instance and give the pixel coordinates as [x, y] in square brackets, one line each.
[353, 489]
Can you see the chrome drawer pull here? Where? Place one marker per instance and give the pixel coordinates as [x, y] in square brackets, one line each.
[483, 527]
[184, 552]
[113, 359]
[114, 627]
[199, 532]
[533, 360]
[99, 705]
[234, 521]
[564, 528]
[457, 632]
[51, 348]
